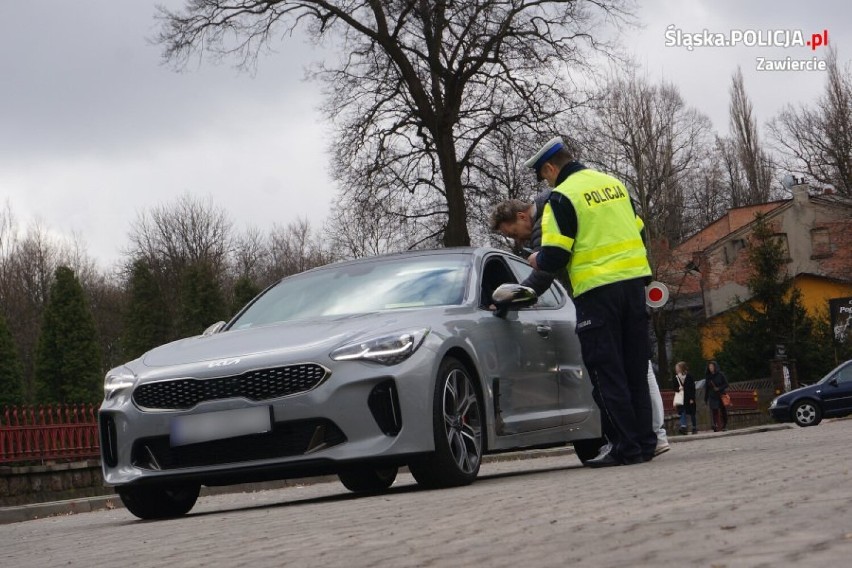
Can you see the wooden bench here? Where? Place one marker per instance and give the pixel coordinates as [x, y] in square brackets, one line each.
[744, 412]
[740, 401]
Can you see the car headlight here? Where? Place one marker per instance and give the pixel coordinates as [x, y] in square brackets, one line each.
[118, 380]
[387, 349]
[774, 403]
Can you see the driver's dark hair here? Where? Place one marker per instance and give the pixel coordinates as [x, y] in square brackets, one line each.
[506, 212]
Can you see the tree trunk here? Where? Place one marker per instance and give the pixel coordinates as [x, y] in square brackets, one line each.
[455, 234]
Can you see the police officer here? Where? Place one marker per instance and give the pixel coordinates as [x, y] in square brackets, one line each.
[589, 225]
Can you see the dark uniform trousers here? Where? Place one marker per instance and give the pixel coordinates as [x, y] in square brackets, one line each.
[613, 329]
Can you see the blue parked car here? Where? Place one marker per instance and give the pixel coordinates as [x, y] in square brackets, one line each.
[807, 406]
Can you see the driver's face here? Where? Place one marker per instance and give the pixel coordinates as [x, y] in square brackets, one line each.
[520, 229]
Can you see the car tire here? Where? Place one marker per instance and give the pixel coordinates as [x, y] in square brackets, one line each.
[588, 449]
[457, 424]
[368, 479]
[807, 413]
[159, 502]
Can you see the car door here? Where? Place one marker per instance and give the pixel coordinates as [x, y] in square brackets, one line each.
[557, 312]
[523, 375]
[837, 392]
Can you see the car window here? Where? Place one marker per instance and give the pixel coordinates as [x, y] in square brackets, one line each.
[844, 375]
[362, 287]
[550, 299]
[494, 273]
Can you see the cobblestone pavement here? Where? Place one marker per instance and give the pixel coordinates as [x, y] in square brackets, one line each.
[775, 498]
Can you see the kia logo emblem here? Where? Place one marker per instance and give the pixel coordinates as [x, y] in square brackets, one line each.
[224, 362]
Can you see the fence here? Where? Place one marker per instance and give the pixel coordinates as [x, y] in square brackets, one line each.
[740, 400]
[39, 433]
[750, 400]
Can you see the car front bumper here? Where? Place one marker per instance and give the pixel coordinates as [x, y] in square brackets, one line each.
[348, 418]
[780, 413]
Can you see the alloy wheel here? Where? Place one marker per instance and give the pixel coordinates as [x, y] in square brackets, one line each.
[462, 421]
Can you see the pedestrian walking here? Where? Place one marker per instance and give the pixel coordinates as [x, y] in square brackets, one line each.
[685, 383]
[715, 385]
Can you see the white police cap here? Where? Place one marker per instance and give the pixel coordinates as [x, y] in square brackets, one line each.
[545, 153]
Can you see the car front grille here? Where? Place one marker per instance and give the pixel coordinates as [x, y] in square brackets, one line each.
[286, 439]
[262, 384]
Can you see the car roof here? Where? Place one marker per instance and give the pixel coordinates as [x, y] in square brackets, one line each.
[477, 252]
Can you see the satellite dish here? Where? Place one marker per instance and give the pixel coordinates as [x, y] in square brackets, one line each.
[656, 294]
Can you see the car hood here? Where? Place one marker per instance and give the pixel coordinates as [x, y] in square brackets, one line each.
[282, 341]
[808, 389]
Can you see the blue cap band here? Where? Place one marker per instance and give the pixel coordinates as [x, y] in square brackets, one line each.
[546, 156]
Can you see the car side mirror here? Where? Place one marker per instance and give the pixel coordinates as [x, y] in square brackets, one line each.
[215, 328]
[833, 381]
[512, 297]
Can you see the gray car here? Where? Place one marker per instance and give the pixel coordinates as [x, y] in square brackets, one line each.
[355, 369]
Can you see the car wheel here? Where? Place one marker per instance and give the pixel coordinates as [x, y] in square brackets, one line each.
[807, 413]
[159, 502]
[457, 428]
[588, 449]
[367, 479]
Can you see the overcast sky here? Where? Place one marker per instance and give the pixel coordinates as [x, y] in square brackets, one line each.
[94, 130]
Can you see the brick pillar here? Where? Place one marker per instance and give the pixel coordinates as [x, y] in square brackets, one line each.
[784, 375]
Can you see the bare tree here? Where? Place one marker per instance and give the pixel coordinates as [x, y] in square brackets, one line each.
[818, 141]
[749, 166]
[296, 248]
[646, 135]
[703, 200]
[180, 237]
[365, 226]
[107, 301]
[421, 86]
[8, 230]
[735, 188]
[250, 254]
[186, 231]
[175, 236]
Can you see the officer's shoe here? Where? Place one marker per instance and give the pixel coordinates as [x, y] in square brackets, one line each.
[604, 450]
[637, 459]
[605, 460]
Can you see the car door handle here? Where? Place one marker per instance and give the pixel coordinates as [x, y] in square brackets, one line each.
[543, 330]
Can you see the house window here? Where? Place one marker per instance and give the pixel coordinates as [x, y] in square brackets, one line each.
[820, 243]
[781, 239]
[732, 250]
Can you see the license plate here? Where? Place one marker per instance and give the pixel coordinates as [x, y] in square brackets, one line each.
[209, 426]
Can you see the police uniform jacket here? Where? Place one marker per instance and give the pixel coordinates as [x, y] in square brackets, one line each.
[590, 225]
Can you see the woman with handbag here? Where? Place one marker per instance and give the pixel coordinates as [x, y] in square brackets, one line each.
[715, 385]
[684, 386]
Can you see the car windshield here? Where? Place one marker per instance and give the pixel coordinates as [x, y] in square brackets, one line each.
[429, 280]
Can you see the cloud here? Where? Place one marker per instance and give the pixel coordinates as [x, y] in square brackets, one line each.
[704, 73]
[96, 130]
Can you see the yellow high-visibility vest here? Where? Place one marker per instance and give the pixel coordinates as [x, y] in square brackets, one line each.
[608, 246]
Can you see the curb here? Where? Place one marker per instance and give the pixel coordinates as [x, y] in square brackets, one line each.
[107, 502]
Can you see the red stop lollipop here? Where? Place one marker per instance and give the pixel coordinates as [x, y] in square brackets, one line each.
[656, 294]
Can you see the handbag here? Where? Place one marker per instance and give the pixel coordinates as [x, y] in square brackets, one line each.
[678, 396]
[726, 399]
